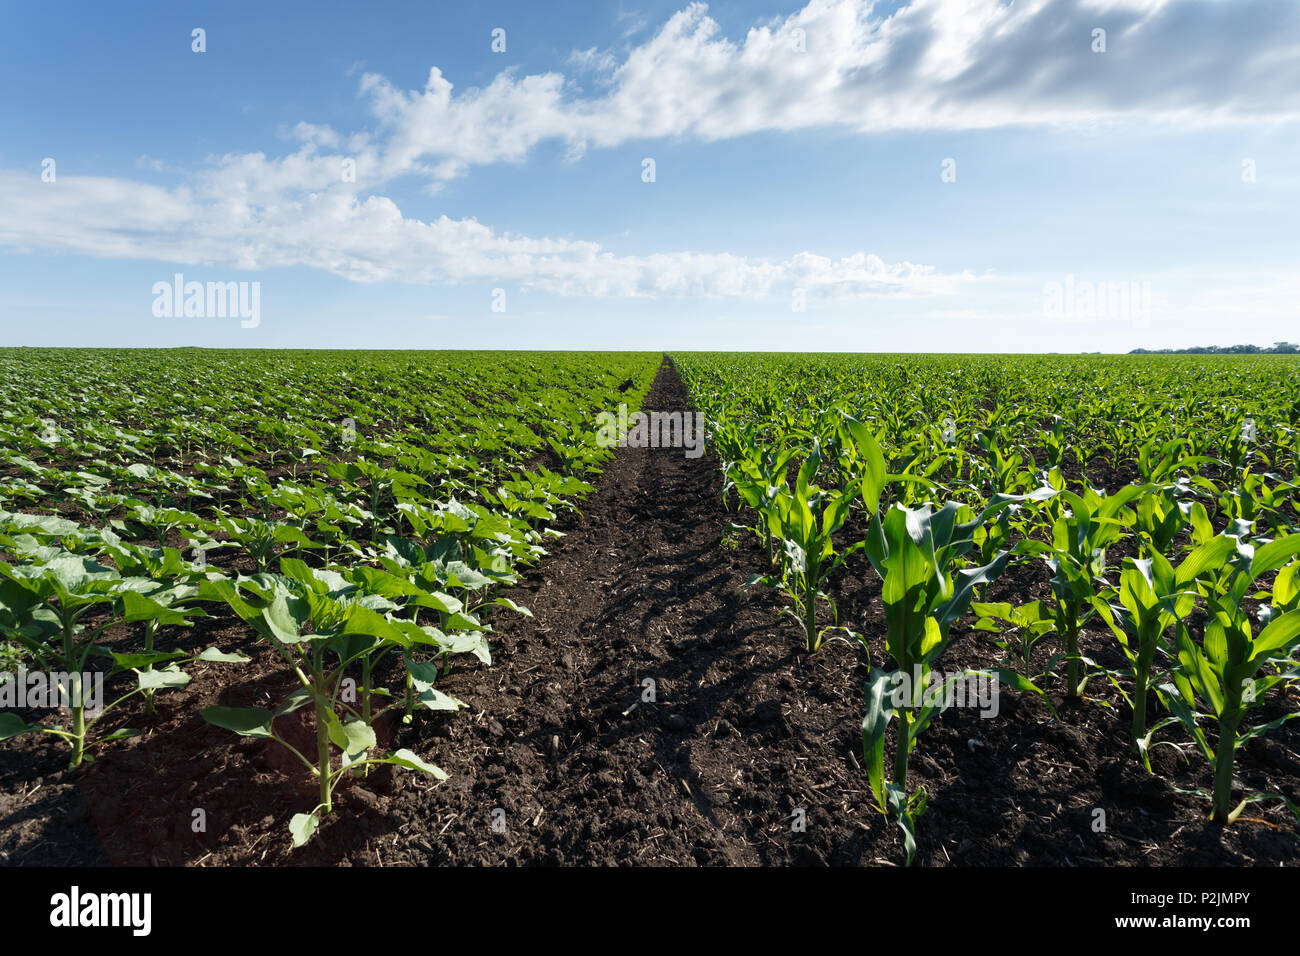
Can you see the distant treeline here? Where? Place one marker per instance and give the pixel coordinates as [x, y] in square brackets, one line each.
[1277, 348]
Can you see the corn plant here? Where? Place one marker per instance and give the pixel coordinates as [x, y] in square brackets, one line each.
[1077, 558]
[1055, 443]
[805, 521]
[1159, 517]
[1153, 596]
[758, 480]
[1254, 500]
[1004, 468]
[1020, 628]
[1220, 674]
[918, 553]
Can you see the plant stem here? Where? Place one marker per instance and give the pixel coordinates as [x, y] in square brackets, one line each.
[322, 751]
[1141, 679]
[76, 703]
[78, 721]
[410, 686]
[1139, 707]
[810, 619]
[1072, 658]
[149, 628]
[365, 688]
[1223, 770]
[901, 748]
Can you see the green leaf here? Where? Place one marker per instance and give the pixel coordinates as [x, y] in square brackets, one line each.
[298, 570]
[133, 661]
[405, 758]
[11, 725]
[285, 618]
[137, 607]
[462, 622]
[506, 602]
[1282, 632]
[222, 657]
[245, 721]
[438, 601]
[303, 826]
[1273, 555]
[964, 587]
[364, 621]
[1260, 729]
[51, 525]
[900, 808]
[873, 460]
[169, 677]
[1019, 682]
[1200, 673]
[466, 642]
[297, 700]
[1208, 557]
[334, 727]
[1177, 706]
[360, 737]
[423, 674]
[435, 699]
[878, 694]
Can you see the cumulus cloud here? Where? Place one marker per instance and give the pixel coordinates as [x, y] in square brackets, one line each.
[932, 64]
[952, 64]
[369, 240]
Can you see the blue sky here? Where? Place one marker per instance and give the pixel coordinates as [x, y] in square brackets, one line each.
[799, 156]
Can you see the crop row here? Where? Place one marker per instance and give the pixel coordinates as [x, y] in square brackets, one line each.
[359, 511]
[1158, 494]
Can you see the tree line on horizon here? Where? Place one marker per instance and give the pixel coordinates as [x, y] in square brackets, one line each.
[1277, 348]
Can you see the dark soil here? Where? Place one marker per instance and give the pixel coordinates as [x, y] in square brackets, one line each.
[652, 712]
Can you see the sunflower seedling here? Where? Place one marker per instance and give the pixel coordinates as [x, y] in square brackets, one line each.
[320, 624]
[42, 607]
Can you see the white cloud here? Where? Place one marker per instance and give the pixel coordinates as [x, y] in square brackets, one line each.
[931, 64]
[368, 240]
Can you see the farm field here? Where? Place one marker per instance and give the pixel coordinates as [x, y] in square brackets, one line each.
[407, 608]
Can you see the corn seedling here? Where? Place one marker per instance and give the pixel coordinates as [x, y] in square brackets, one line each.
[919, 554]
[1220, 674]
[1019, 628]
[1153, 595]
[1077, 559]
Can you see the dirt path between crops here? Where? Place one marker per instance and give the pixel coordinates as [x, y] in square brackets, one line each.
[641, 716]
[746, 753]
